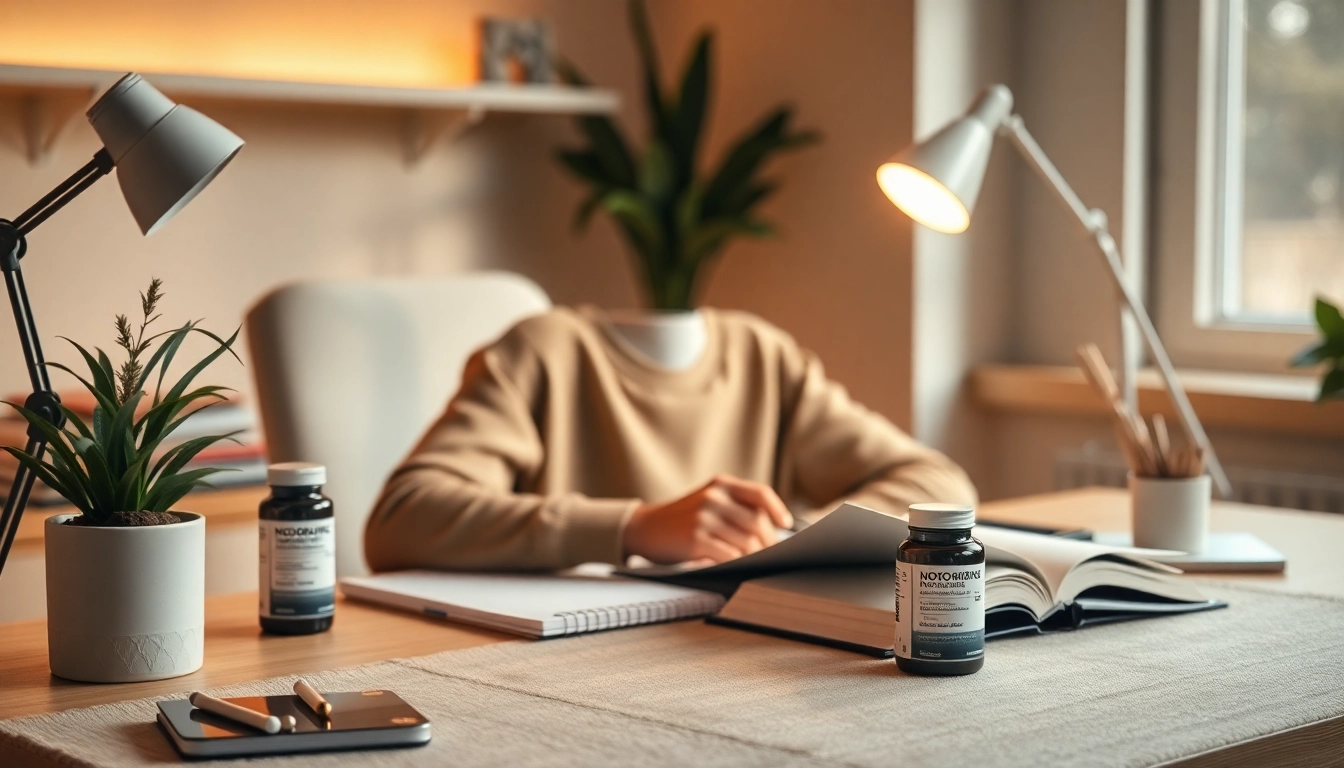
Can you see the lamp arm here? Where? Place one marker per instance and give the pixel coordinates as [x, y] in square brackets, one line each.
[1094, 221]
[43, 400]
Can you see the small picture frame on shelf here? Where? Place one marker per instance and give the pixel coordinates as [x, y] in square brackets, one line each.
[516, 51]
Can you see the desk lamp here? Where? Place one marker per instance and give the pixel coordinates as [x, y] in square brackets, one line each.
[935, 182]
[164, 154]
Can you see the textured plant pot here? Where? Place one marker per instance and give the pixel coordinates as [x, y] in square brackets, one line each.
[125, 604]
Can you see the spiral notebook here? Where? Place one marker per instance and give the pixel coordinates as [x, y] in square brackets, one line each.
[535, 605]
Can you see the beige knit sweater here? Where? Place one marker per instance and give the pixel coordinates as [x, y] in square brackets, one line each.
[559, 432]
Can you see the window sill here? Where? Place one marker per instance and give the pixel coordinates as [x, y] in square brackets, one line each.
[1258, 402]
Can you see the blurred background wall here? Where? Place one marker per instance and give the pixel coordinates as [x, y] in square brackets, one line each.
[323, 192]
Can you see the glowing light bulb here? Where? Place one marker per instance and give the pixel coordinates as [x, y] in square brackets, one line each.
[923, 198]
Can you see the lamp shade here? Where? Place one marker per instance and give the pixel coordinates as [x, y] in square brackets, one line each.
[936, 181]
[165, 153]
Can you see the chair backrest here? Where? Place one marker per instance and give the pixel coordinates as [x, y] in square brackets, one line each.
[350, 373]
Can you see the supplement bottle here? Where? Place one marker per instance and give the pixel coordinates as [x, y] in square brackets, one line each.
[297, 589]
[940, 593]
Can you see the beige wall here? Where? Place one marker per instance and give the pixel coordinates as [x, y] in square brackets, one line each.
[322, 191]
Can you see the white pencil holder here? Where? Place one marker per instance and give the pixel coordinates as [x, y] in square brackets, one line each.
[1170, 512]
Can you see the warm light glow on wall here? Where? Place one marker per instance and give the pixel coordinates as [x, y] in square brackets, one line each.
[397, 42]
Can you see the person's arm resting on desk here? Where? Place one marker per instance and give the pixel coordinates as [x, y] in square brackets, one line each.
[546, 409]
[836, 450]
[452, 504]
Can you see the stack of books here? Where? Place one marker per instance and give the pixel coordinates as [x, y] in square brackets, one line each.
[245, 459]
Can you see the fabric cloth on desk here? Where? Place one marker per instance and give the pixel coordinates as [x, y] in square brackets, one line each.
[681, 694]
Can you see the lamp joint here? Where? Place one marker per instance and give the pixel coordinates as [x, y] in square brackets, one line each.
[48, 406]
[12, 246]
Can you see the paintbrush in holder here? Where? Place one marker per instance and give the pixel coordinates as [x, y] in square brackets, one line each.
[1169, 491]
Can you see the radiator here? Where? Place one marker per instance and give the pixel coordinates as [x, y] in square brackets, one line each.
[1094, 465]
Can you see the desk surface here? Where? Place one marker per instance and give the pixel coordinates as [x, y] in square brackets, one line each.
[235, 651]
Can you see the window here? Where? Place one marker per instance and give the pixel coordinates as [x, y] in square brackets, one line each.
[1249, 192]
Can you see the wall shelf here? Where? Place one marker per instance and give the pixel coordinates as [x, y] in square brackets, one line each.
[49, 97]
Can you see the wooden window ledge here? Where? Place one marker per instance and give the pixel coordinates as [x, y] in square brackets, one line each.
[1259, 402]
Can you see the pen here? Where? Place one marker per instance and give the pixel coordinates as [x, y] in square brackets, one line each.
[267, 723]
[312, 698]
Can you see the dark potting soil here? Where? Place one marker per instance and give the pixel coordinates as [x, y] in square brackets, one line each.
[127, 520]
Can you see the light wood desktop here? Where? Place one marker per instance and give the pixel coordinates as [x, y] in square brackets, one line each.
[235, 651]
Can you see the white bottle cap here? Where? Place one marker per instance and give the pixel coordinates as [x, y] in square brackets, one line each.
[942, 516]
[296, 474]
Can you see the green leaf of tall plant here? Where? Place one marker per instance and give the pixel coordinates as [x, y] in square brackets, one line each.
[692, 104]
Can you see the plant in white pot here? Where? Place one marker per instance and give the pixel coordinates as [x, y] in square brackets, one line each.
[675, 219]
[126, 576]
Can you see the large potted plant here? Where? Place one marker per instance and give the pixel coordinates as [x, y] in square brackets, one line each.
[675, 219]
[1328, 351]
[126, 576]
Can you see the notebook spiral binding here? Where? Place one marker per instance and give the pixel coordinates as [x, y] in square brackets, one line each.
[633, 614]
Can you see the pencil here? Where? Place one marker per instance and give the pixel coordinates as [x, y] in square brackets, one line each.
[312, 698]
[267, 723]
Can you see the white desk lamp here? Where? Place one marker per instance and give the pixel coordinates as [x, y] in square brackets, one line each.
[935, 182]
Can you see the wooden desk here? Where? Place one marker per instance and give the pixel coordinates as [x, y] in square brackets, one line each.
[235, 651]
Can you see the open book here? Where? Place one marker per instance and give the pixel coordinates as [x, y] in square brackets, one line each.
[834, 581]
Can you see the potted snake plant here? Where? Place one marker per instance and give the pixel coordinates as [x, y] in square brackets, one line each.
[675, 218]
[126, 575]
[1327, 352]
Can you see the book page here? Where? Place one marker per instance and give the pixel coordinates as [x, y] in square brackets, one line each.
[1052, 558]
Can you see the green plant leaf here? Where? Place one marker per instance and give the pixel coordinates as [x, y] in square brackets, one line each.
[641, 220]
[1319, 352]
[50, 476]
[168, 490]
[58, 442]
[590, 205]
[131, 485]
[1332, 385]
[163, 356]
[160, 420]
[746, 197]
[714, 234]
[692, 105]
[1329, 319]
[177, 458]
[80, 426]
[120, 443]
[157, 422]
[585, 165]
[659, 119]
[605, 140]
[99, 480]
[655, 174]
[748, 154]
[103, 387]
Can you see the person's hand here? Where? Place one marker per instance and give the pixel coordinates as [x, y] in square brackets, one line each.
[723, 520]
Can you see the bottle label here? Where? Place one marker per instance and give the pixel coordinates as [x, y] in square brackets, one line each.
[940, 611]
[298, 569]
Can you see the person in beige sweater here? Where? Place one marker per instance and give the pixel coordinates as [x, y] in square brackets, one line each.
[563, 447]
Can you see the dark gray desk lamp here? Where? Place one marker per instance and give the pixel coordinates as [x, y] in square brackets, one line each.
[164, 154]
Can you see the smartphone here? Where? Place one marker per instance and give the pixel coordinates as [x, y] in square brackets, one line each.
[359, 720]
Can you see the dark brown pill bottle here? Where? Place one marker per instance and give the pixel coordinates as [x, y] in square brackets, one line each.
[940, 593]
[297, 585]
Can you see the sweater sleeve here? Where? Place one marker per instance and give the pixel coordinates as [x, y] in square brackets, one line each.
[836, 450]
[453, 503]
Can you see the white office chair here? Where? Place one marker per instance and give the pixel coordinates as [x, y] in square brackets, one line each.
[350, 373]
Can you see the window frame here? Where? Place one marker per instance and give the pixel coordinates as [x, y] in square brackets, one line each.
[1195, 179]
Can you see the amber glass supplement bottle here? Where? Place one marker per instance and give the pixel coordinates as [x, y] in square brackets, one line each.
[940, 593]
[297, 589]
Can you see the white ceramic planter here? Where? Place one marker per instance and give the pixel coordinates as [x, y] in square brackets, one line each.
[670, 339]
[1171, 513]
[125, 604]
